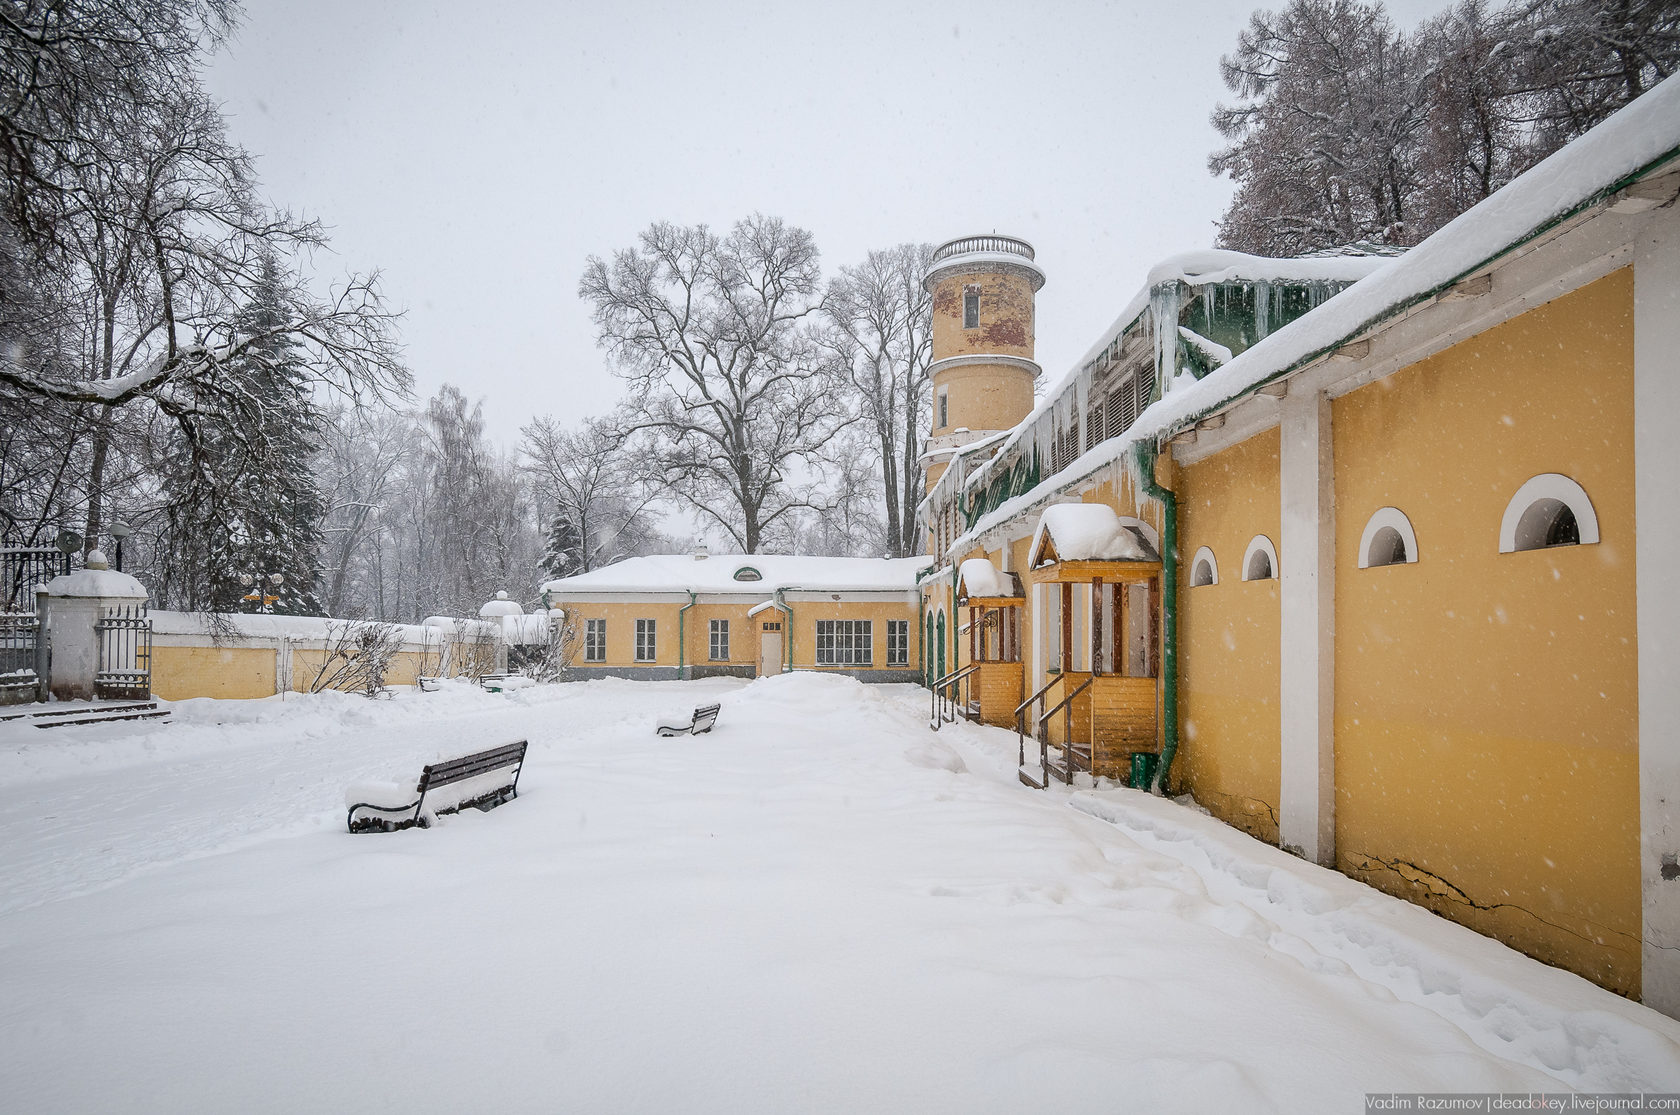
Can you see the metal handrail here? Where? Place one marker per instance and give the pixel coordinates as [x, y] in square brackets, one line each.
[1021, 730]
[1067, 735]
[992, 242]
[936, 714]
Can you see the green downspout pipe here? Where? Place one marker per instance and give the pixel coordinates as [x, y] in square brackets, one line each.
[682, 637]
[787, 636]
[1144, 459]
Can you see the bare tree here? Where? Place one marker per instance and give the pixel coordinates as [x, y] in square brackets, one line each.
[356, 658]
[589, 483]
[726, 379]
[880, 338]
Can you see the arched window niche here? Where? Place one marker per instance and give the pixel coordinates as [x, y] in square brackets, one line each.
[1388, 540]
[1260, 563]
[1204, 570]
[1549, 510]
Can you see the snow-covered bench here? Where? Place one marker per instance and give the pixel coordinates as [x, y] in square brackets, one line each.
[704, 718]
[478, 781]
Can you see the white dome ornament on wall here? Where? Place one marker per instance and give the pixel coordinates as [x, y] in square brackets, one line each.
[1549, 510]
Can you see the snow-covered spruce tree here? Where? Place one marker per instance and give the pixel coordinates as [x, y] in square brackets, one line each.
[563, 548]
[734, 410]
[880, 337]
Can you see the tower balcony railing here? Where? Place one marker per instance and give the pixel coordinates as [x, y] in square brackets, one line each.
[963, 245]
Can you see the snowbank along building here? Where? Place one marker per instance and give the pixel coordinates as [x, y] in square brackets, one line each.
[1373, 556]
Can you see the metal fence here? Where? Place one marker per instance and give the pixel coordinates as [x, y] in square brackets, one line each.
[20, 639]
[125, 654]
[24, 567]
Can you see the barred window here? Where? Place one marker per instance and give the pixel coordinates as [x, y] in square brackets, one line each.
[595, 640]
[845, 642]
[898, 642]
[644, 640]
[720, 640]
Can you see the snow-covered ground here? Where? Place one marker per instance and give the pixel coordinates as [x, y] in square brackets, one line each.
[822, 906]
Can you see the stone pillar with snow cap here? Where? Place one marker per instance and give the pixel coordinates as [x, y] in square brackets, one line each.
[73, 606]
[494, 611]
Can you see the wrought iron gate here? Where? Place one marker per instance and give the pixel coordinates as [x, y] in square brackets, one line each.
[20, 641]
[125, 654]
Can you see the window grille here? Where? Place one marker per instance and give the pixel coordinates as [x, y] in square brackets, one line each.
[595, 640]
[1115, 408]
[845, 642]
[645, 640]
[719, 644]
[1094, 428]
[898, 642]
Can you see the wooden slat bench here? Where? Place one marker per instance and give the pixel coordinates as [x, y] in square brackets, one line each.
[705, 717]
[509, 756]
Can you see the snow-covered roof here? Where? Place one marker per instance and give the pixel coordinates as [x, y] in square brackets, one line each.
[979, 577]
[1090, 532]
[1635, 141]
[246, 626]
[733, 573]
[97, 583]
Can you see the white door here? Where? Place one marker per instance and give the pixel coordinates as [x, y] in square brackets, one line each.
[770, 650]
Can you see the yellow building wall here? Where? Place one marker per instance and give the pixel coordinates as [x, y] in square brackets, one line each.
[404, 668]
[744, 633]
[180, 673]
[1230, 726]
[807, 613]
[1486, 733]
[621, 630]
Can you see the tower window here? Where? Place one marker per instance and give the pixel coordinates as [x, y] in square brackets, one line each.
[944, 410]
[971, 307]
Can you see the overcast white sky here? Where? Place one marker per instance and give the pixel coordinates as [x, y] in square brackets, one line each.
[477, 154]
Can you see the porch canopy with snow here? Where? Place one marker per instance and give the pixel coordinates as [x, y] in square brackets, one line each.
[1096, 580]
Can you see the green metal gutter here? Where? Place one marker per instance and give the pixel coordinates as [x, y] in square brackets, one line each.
[682, 641]
[1144, 460]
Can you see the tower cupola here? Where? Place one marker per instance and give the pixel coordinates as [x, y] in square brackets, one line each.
[982, 368]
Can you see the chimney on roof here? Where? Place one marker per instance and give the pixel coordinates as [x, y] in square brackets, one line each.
[700, 552]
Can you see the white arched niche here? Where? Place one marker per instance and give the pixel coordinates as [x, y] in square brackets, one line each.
[1260, 562]
[1204, 570]
[1388, 540]
[1549, 510]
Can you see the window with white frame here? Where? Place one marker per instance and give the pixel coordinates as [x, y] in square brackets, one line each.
[719, 641]
[644, 640]
[898, 642]
[971, 307]
[595, 640]
[845, 642]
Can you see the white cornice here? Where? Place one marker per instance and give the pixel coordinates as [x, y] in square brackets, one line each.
[985, 358]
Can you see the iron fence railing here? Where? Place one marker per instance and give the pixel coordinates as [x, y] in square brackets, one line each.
[22, 568]
[20, 657]
[125, 654]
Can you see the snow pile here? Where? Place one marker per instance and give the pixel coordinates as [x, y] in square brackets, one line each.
[1090, 532]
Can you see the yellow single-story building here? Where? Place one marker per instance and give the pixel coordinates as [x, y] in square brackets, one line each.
[710, 615]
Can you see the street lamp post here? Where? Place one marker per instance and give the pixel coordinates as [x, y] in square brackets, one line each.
[261, 600]
[120, 531]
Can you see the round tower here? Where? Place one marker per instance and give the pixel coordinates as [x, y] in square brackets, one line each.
[983, 369]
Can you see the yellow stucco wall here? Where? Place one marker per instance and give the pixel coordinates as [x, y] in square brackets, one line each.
[179, 673]
[404, 667]
[1229, 714]
[621, 630]
[1486, 706]
[982, 397]
[1006, 315]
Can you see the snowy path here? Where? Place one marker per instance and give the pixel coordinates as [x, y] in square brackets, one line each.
[822, 907]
